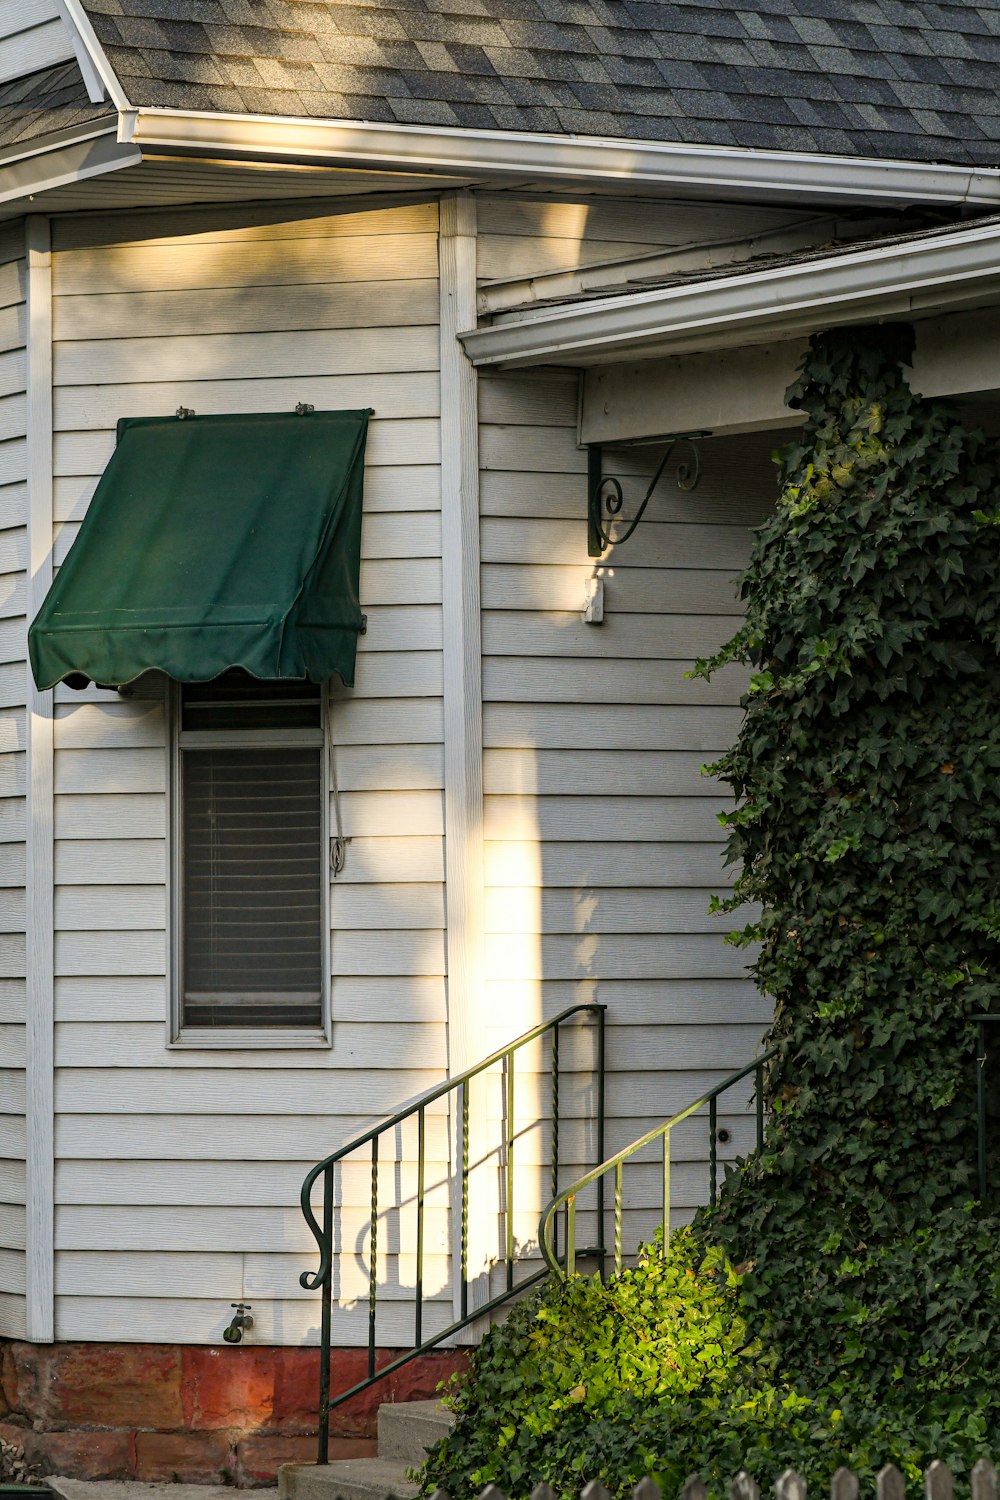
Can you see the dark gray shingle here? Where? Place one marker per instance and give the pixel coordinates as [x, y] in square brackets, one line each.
[46, 102]
[881, 78]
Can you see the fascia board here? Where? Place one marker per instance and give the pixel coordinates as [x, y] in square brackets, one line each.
[61, 163]
[528, 156]
[941, 271]
[98, 74]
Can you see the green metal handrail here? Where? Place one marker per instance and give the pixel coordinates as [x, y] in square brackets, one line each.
[566, 1200]
[322, 1279]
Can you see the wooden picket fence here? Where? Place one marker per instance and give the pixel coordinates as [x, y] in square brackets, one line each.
[889, 1485]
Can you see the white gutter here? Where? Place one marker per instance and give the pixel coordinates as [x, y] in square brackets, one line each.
[29, 171]
[944, 270]
[524, 156]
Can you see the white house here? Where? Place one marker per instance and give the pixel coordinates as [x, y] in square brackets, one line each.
[536, 240]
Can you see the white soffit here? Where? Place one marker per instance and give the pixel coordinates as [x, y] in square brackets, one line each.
[70, 159]
[75, 179]
[899, 280]
[649, 167]
[743, 390]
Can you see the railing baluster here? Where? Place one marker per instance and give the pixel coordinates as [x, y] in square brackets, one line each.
[570, 1236]
[373, 1261]
[326, 1315]
[554, 1173]
[419, 1288]
[322, 1228]
[601, 1257]
[618, 1216]
[509, 1069]
[661, 1132]
[464, 1246]
[666, 1191]
[759, 1089]
[713, 1149]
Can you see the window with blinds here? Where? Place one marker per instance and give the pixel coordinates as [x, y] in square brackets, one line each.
[251, 871]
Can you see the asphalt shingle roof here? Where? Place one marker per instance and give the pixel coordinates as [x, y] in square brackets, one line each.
[915, 79]
[52, 99]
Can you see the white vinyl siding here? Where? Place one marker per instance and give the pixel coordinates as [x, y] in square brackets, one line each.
[32, 36]
[13, 695]
[603, 845]
[178, 1172]
[529, 237]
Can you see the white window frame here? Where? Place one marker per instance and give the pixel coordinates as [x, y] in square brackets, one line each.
[257, 1038]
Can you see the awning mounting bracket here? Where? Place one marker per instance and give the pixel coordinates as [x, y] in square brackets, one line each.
[606, 496]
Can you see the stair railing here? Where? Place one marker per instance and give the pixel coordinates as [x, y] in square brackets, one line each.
[323, 1232]
[564, 1202]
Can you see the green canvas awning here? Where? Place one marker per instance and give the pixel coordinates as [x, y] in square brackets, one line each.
[214, 542]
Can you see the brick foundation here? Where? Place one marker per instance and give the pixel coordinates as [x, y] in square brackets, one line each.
[189, 1412]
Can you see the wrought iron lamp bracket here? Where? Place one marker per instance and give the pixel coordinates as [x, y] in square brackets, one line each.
[606, 496]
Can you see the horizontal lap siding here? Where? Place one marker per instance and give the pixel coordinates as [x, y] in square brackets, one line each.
[178, 1172]
[32, 36]
[13, 684]
[603, 846]
[525, 238]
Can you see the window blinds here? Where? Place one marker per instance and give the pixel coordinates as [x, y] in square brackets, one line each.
[252, 868]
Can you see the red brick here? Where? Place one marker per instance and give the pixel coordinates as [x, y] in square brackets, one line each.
[191, 1457]
[116, 1385]
[8, 1373]
[419, 1380]
[296, 1390]
[296, 1386]
[27, 1377]
[84, 1455]
[228, 1387]
[259, 1457]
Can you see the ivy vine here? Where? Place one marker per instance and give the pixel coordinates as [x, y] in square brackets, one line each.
[841, 1304]
[867, 777]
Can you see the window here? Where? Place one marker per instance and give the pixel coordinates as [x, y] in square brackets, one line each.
[249, 862]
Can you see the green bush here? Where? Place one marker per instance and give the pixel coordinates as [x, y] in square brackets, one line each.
[864, 1324]
[654, 1373]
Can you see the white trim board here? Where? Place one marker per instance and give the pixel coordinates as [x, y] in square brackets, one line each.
[743, 390]
[462, 687]
[666, 168]
[465, 944]
[40, 848]
[955, 267]
[98, 74]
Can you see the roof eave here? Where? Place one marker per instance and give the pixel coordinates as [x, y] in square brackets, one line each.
[651, 166]
[32, 168]
[949, 270]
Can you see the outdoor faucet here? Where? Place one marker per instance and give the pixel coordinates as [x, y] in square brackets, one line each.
[242, 1319]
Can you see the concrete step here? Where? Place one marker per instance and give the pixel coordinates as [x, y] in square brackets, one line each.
[406, 1429]
[347, 1479]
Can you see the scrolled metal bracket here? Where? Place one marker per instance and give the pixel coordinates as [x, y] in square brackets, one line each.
[606, 497]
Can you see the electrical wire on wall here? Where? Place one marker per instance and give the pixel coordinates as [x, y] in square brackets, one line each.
[338, 842]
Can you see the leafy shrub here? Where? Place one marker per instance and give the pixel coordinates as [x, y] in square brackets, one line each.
[653, 1374]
